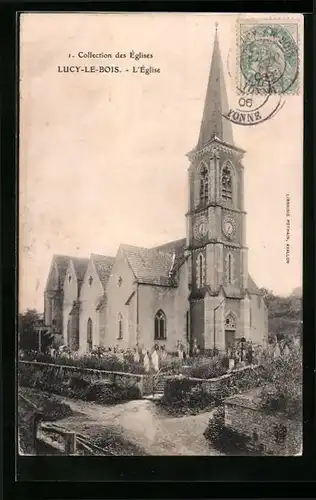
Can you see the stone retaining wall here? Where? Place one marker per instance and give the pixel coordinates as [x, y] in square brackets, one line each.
[270, 433]
[245, 376]
[143, 382]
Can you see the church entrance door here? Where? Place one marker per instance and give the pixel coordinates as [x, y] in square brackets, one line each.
[229, 339]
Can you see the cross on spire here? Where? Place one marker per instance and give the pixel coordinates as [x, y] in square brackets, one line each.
[216, 103]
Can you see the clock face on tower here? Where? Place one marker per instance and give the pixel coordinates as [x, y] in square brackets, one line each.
[200, 228]
[229, 227]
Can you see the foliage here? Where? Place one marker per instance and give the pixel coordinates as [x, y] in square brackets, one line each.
[207, 367]
[171, 365]
[216, 425]
[284, 313]
[95, 360]
[28, 336]
[103, 392]
[283, 383]
[49, 405]
[184, 395]
[67, 384]
[224, 438]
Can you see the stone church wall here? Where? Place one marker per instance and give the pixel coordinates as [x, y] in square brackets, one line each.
[198, 322]
[102, 322]
[121, 286]
[173, 302]
[70, 295]
[90, 295]
[258, 319]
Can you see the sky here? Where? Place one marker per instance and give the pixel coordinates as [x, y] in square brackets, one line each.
[103, 155]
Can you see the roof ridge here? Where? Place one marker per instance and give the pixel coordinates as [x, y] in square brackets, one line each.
[94, 255]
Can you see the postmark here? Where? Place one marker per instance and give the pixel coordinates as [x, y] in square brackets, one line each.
[267, 57]
[253, 106]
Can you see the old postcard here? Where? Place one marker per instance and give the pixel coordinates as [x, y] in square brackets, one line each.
[160, 258]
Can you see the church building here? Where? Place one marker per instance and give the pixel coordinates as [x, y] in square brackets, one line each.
[195, 290]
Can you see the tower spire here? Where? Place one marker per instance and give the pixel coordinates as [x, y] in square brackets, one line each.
[216, 103]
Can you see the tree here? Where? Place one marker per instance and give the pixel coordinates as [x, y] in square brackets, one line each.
[28, 334]
[284, 314]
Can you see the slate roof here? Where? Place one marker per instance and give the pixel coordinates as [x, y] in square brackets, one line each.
[153, 266]
[103, 265]
[62, 262]
[252, 287]
[175, 247]
[149, 265]
[80, 265]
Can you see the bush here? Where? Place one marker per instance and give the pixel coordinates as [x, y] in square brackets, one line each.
[208, 367]
[183, 395]
[77, 386]
[103, 392]
[222, 437]
[283, 383]
[97, 360]
[171, 365]
[216, 425]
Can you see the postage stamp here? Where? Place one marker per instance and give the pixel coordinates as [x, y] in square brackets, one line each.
[267, 56]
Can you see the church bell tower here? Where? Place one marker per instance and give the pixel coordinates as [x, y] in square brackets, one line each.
[216, 240]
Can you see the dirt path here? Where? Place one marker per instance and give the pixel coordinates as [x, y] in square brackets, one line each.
[145, 425]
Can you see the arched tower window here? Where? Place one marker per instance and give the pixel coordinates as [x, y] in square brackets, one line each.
[89, 334]
[204, 185]
[229, 269]
[227, 183]
[200, 271]
[120, 326]
[160, 325]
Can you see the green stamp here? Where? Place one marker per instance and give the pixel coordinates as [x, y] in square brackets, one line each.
[268, 58]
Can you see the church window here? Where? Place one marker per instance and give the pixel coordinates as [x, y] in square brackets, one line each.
[230, 322]
[204, 185]
[69, 278]
[120, 281]
[160, 326]
[229, 269]
[227, 184]
[120, 326]
[90, 280]
[200, 271]
[89, 334]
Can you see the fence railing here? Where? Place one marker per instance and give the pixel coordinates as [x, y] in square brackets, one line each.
[53, 438]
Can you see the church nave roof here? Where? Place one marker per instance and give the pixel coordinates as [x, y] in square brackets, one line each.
[103, 265]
